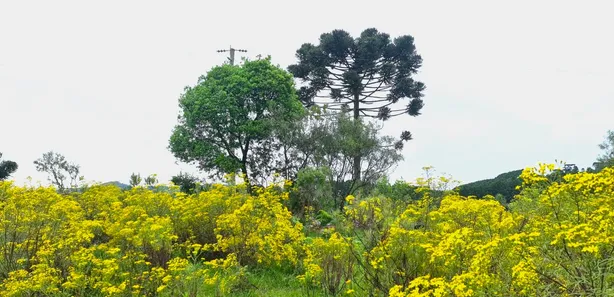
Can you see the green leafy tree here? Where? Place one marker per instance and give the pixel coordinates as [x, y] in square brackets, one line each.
[606, 159]
[312, 189]
[7, 168]
[398, 191]
[303, 143]
[367, 75]
[187, 183]
[151, 180]
[62, 173]
[228, 119]
[135, 179]
[332, 140]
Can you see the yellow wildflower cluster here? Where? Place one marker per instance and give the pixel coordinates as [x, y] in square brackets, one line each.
[108, 242]
[555, 239]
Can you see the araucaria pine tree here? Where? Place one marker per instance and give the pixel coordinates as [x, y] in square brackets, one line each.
[370, 76]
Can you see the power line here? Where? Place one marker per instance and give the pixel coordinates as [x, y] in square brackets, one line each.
[232, 51]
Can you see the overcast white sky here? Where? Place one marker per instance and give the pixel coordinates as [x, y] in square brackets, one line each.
[508, 84]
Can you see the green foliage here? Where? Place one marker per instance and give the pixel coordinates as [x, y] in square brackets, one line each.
[504, 184]
[312, 191]
[504, 187]
[229, 118]
[135, 179]
[400, 190]
[7, 168]
[324, 217]
[151, 180]
[332, 140]
[187, 183]
[273, 282]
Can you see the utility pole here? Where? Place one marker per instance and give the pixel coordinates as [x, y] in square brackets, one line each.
[232, 53]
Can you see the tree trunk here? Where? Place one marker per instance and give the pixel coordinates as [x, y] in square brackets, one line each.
[246, 178]
[244, 152]
[356, 174]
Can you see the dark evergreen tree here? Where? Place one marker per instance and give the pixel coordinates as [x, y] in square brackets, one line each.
[367, 75]
[7, 168]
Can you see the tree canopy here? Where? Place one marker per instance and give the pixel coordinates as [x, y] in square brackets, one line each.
[187, 183]
[367, 75]
[329, 140]
[59, 170]
[228, 117]
[7, 168]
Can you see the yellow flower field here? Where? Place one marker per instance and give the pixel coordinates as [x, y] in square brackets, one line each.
[555, 239]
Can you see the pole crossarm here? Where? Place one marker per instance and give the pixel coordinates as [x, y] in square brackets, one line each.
[232, 51]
